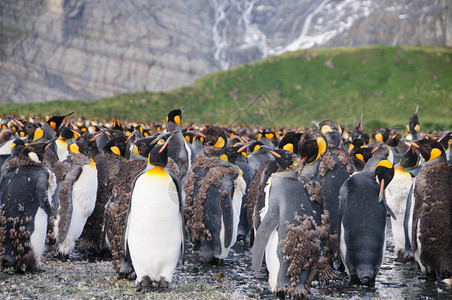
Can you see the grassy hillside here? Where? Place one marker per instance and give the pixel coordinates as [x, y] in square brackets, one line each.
[384, 83]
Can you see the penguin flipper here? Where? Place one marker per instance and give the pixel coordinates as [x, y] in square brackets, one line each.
[64, 195]
[268, 224]
[181, 214]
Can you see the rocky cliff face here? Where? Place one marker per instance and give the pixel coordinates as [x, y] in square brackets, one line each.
[81, 49]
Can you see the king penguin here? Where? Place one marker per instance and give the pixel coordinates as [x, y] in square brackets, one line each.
[76, 197]
[432, 213]
[214, 190]
[397, 193]
[289, 234]
[154, 235]
[362, 217]
[25, 191]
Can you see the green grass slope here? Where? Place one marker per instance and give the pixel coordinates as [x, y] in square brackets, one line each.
[384, 83]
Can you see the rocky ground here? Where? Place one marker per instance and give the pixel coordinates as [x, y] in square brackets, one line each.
[81, 278]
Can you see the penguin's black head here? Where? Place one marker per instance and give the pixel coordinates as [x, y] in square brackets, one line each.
[413, 123]
[174, 116]
[117, 125]
[312, 145]
[445, 140]
[410, 159]
[284, 158]
[381, 135]
[331, 130]
[117, 145]
[394, 140]
[229, 154]
[384, 171]
[56, 121]
[268, 134]
[17, 146]
[33, 154]
[67, 133]
[159, 154]
[430, 149]
[84, 143]
[356, 144]
[290, 141]
[215, 136]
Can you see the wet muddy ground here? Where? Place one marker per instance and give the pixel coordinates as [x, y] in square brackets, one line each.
[81, 279]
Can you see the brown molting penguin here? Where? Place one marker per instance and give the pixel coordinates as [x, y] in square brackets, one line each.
[214, 190]
[432, 214]
[335, 168]
[109, 164]
[292, 232]
[117, 212]
[26, 191]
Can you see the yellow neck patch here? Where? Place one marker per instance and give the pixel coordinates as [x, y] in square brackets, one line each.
[434, 154]
[326, 129]
[224, 157]
[350, 147]
[220, 143]
[244, 154]
[115, 150]
[417, 127]
[257, 147]
[92, 164]
[322, 146]
[379, 137]
[74, 148]
[187, 138]
[177, 120]
[288, 147]
[360, 157]
[53, 125]
[259, 136]
[269, 136]
[157, 171]
[135, 150]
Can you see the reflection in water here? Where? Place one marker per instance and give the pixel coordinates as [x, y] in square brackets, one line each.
[394, 281]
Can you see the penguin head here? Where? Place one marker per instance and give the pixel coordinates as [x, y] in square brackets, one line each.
[284, 158]
[445, 140]
[381, 135]
[290, 141]
[66, 133]
[159, 154]
[117, 145]
[269, 135]
[174, 119]
[33, 154]
[312, 145]
[56, 121]
[410, 159]
[331, 130]
[230, 154]
[17, 146]
[383, 170]
[431, 150]
[356, 144]
[394, 139]
[215, 136]
[413, 123]
[116, 125]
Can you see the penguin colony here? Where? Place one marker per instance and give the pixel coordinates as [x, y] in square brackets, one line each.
[309, 203]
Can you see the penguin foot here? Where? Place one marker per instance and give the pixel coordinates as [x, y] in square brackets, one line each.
[162, 286]
[61, 257]
[280, 295]
[145, 285]
[216, 261]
